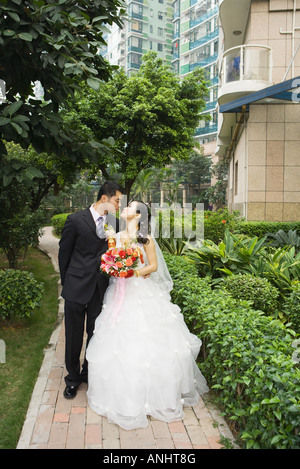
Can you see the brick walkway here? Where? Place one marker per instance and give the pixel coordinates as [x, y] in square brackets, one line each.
[53, 422]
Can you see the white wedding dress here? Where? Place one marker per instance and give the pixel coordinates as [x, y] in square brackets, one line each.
[141, 358]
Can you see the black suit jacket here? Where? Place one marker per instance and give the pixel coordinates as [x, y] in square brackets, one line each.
[80, 251]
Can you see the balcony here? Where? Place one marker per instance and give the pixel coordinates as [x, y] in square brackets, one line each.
[245, 69]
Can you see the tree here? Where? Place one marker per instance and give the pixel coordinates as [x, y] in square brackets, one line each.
[56, 43]
[38, 173]
[196, 170]
[151, 115]
[217, 193]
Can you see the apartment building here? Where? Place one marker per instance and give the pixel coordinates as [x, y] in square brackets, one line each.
[184, 33]
[148, 27]
[195, 44]
[258, 103]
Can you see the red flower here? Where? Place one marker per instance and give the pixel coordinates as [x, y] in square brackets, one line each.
[122, 254]
[223, 221]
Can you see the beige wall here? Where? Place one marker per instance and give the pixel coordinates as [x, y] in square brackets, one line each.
[268, 21]
[268, 148]
[268, 153]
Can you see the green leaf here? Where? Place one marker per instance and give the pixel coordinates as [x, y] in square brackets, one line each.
[94, 83]
[8, 32]
[14, 16]
[7, 180]
[32, 173]
[4, 120]
[276, 438]
[278, 414]
[12, 108]
[25, 37]
[17, 127]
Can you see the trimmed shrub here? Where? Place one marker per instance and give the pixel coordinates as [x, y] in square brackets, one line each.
[58, 222]
[215, 224]
[248, 359]
[20, 294]
[291, 307]
[259, 291]
[261, 228]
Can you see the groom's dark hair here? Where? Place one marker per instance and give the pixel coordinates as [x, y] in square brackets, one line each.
[109, 188]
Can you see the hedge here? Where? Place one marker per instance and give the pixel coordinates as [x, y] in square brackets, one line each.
[20, 294]
[58, 222]
[261, 228]
[246, 358]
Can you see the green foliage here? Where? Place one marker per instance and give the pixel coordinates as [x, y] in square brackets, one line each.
[38, 173]
[280, 266]
[56, 43]
[176, 246]
[258, 291]
[291, 307]
[58, 222]
[238, 254]
[215, 223]
[151, 116]
[262, 228]
[281, 239]
[235, 254]
[247, 360]
[20, 294]
[19, 227]
[217, 192]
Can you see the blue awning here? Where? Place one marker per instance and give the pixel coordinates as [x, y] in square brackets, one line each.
[280, 93]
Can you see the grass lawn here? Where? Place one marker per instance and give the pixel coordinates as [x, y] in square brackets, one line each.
[25, 341]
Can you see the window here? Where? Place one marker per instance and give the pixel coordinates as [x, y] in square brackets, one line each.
[135, 58]
[160, 15]
[160, 31]
[151, 28]
[136, 26]
[136, 9]
[159, 47]
[136, 41]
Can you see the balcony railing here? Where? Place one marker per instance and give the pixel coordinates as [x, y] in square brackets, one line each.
[247, 62]
[203, 40]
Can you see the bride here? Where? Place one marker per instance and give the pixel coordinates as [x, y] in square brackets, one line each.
[142, 355]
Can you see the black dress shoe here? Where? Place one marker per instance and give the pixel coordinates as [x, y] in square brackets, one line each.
[70, 392]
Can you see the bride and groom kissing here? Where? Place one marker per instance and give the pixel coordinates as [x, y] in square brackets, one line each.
[141, 361]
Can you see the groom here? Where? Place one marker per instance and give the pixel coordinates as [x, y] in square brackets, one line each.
[80, 249]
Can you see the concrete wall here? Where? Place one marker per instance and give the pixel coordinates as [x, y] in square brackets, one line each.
[268, 156]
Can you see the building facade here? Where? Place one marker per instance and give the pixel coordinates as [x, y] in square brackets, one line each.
[148, 27]
[259, 120]
[195, 44]
[183, 32]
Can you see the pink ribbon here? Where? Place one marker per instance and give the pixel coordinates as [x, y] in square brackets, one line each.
[118, 297]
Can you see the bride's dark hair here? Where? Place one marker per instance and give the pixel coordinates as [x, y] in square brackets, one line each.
[144, 228]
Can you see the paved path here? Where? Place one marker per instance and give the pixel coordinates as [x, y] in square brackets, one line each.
[53, 422]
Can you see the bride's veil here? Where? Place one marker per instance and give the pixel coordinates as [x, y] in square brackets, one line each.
[162, 276]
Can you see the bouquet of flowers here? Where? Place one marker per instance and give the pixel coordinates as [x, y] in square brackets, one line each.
[121, 262]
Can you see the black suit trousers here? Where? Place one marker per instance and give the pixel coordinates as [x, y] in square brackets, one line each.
[75, 317]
